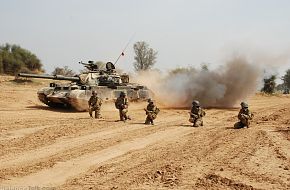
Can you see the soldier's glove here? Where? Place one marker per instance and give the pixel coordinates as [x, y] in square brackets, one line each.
[245, 116]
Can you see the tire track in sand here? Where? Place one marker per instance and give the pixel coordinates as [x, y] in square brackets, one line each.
[65, 144]
[18, 133]
[62, 171]
[12, 160]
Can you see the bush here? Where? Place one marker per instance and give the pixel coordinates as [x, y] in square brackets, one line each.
[65, 71]
[13, 59]
[269, 85]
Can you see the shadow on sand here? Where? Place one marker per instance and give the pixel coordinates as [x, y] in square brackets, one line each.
[58, 109]
[282, 130]
[187, 125]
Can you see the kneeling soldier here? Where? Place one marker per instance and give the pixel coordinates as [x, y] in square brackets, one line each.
[196, 114]
[245, 117]
[95, 104]
[151, 112]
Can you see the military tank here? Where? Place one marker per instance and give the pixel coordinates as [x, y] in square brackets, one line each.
[75, 94]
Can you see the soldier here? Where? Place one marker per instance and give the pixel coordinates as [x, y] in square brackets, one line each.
[122, 105]
[151, 112]
[196, 114]
[95, 104]
[245, 116]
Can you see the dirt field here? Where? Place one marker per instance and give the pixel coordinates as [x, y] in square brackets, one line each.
[41, 147]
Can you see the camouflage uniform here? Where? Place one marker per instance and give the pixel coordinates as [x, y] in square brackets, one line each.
[245, 116]
[196, 114]
[151, 112]
[122, 105]
[95, 104]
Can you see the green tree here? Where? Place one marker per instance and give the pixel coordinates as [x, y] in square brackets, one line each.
[145, 57]
[65, 71]
[182, 70]
[1, 65]
[204, 67]
[101, 64]
[286, 79]
[269, 84]
[14, 59]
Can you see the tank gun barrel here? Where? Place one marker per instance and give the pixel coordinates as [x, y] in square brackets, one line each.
[53, 77]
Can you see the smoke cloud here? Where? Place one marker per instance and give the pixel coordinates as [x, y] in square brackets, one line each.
[222, 87]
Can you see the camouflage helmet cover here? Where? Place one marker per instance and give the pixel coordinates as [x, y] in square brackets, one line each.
[244, 105]
[94, 92]
[150, 100]
[195, 103]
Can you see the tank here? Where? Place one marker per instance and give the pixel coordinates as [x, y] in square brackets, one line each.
[76, 93]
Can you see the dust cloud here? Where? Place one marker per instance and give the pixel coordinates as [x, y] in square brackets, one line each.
[222, 87]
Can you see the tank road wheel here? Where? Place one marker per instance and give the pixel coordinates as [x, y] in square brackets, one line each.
[57, 105]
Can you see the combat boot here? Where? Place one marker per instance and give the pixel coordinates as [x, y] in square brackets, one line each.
[147, 121]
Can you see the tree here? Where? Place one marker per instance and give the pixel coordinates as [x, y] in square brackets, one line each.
[145, 57]
[65, 71]
[1, 65]
[204, 67]
[101, 64]
[269, 84]
[182, 70]
[13, 59]
[286, 79]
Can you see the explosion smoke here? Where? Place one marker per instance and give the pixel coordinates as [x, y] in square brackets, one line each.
[222, 87]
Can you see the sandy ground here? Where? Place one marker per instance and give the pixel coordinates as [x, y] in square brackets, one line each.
[59, 149]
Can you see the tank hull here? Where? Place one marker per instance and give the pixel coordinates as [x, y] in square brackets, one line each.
[78, 99]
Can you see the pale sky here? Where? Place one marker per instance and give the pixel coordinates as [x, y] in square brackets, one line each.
[184, 32]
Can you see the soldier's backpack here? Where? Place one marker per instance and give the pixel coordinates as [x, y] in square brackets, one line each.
[118, 105]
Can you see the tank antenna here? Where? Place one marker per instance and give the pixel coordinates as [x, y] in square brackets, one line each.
[122, 53]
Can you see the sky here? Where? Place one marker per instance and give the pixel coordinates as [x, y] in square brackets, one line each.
[184, 32]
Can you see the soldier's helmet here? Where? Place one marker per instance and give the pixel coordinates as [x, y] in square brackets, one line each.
[122, 94]
[94, 92]
[150, 101]
[195, 103]
[244, 105]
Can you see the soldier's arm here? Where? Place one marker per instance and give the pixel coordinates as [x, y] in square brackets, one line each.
[240, 115]
[193, 115]
[251, 115]
[126, 102]
[202, 113]
[245, 116]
